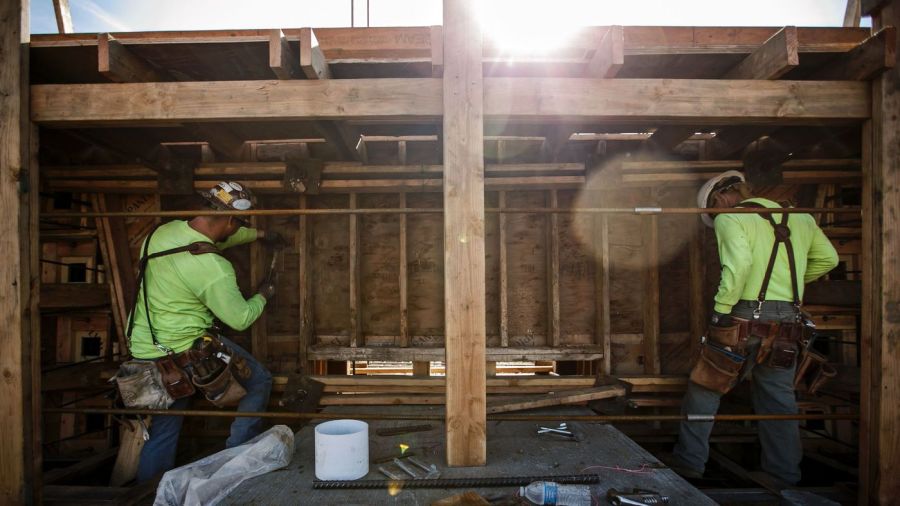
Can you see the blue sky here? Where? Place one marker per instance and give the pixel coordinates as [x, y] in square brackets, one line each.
[93, 16]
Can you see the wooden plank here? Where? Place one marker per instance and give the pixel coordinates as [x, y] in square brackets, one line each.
[880, 384]
[118, 64]
[439, 382]
[551, 99]
[852, 14]
[15, 344]
[776, 57]
[259, 335]
[868, 60]
[464, 256]
[355, 296]
[312, 60]
[282, 61]
[437, 51]
[559, 398]
[420, 353]
[305, 282]
[697, 280]
[108, 251]
[422, 368]
[609, 57]
[382, 400]
[553, 272]
[651, 349]
[63, 16]
[404, 292]
[504, 272]
[602, 291]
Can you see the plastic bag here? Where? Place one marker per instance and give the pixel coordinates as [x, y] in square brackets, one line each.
[210, 479]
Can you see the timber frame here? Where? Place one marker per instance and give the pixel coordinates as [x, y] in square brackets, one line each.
[433, 171]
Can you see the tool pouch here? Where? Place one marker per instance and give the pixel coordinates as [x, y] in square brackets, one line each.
[175, 380]
[223, 389]
[784, 347]
[716, 370]
[140, 386]
[729, 336]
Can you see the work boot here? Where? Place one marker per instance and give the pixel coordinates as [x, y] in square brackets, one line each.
[677, 465]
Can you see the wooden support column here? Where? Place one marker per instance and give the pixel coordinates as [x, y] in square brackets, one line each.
[404, 310]
[259, 338]
[63, 16]
[879, 446]
[651, 295]
[504, 275]
[553, 272]
[305, 322]
[354, 276]
[601, 289]
[696, 271]
[19, 272]
[464, 261]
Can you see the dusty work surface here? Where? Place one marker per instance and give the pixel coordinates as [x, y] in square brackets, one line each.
[514, 449]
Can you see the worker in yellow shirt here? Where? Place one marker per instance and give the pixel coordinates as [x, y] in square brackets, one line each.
[184, 283]
[756, 324]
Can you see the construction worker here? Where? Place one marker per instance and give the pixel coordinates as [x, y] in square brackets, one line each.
[183, 285]
[756, 323]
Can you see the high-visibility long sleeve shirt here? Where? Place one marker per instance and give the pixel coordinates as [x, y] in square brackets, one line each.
[185, 292]
[745, 245]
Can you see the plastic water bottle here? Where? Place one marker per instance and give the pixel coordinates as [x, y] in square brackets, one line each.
[549, 492]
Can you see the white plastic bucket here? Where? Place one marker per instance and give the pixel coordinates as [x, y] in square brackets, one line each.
[342, 450]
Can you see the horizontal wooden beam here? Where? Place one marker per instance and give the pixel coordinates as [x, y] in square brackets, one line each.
[686, 101]
[609, 56]
[868, 60]
[431, 354]
[282, 60]
[773, 59]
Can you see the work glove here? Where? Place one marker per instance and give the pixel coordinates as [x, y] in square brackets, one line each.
[720, 320]
[266, 289]
[273, 240]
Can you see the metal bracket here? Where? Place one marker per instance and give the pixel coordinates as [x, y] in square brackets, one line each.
[303, 175]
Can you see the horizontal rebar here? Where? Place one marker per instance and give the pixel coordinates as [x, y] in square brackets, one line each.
[437, 210]
[500, 481]
[439, 417]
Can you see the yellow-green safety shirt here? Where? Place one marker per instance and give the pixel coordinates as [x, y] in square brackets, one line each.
[745, 245]
[186, 291]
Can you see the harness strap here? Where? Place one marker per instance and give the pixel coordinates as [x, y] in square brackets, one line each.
[782, 235]
[195, 248]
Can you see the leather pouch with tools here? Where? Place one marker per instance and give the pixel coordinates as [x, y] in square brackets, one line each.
[140, 385]
[174, 378]
[217, 370]
[717, 369]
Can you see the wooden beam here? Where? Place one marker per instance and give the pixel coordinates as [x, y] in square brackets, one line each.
[259, 335]
[305, 282]
[559, 398]
[666, 138]
[686, 101]
[282, 61]
[879, 443]
[868, 60]
[355, 295]
[403, 277]
[118, 64]
[553, 321]
[603, 320]
[651, 349]
[312, 60]
[63, 16]
[16, 192]
[777, 56]
[852, 14]
[504, 271]
[871, 7]
[437, 51]
[697, 283]
[609, 57]
[464, 260]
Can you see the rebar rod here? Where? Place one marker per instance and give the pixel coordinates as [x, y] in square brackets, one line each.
[435, 210]
[500, 481]
[439, 417]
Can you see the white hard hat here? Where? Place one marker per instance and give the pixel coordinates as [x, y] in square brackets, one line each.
[714, 183]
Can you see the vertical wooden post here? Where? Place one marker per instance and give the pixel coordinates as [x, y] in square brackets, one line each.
[18, 275]
[651, 295]
[305, 280]
[354, 275]
[504, 275]
[879, 430]
[553, 272]
[464, 261]
[404, 310]
[259, 338]
[601, 287]
[696, 271]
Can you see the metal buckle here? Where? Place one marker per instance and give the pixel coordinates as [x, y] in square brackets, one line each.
[758, 310]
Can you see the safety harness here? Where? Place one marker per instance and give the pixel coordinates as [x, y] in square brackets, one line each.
[194, 248]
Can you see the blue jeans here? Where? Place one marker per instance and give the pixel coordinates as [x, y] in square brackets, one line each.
[773, 393]
[158, 454]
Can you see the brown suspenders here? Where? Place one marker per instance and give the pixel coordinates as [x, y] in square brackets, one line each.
[782, 235]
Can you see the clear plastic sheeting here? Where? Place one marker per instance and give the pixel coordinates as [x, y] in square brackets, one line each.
[209, 480]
